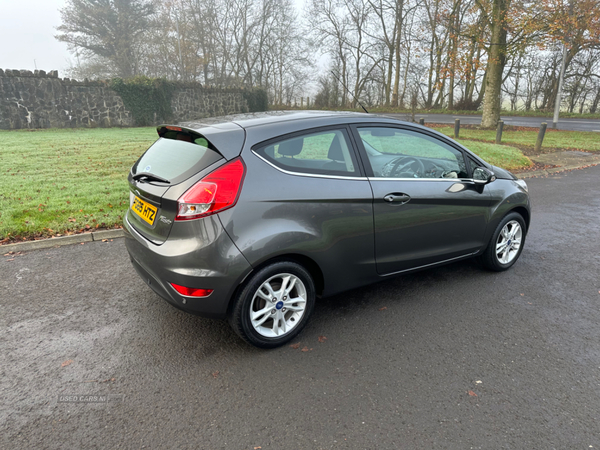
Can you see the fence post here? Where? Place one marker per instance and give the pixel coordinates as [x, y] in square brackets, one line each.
[456, 128]
[540, 138]
[422, 121]
[499, 131]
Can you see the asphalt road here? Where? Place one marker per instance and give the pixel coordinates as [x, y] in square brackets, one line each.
[563, 124]
[453, 357]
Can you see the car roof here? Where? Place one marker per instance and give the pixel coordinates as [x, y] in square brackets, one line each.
[230, 133]
[257, 119]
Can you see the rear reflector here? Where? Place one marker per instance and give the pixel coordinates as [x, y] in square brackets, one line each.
[191, 292]
[217, 191]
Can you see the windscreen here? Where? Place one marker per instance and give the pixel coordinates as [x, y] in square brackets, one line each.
[176, 156]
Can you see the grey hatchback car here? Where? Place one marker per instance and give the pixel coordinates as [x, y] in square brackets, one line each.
[252, 217]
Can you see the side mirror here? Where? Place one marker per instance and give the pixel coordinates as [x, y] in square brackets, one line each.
[481, 175]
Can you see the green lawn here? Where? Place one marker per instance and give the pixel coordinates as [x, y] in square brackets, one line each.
[504, 156]
[511, 158]
[62, 181]
[65, 181]
[575, 140]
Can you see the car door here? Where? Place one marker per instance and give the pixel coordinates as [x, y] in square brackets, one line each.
[306, 194]
[425, 208]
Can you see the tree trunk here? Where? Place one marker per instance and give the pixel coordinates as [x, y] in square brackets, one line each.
[398, 34]
[482, 91]
[403, 96]
[595, 103]
[515, 96]
[473, 77]
[497, 60]
[551, 100]
[453, 53]
[429, 100]
[388, 80]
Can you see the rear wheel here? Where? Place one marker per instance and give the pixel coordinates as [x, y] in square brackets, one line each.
[506, 243]
[273, 305]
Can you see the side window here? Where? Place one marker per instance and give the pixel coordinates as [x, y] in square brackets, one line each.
[323, 152]
[473, 163]
[396, 153]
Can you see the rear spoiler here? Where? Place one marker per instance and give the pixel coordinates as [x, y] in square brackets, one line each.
[225, 138]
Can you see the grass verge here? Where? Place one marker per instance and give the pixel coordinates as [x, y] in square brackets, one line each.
[554, 139]
[66, 181]
[58, 182]
[504, 156]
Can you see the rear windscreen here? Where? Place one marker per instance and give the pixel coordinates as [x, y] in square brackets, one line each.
[177, 156]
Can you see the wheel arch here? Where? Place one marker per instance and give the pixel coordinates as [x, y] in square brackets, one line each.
[516, 201]
[524, 213]
[308, 263]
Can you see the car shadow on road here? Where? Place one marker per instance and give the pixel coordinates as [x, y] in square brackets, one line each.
[196, 338]
[407, 289]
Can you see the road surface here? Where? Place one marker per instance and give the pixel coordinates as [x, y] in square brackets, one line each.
[452, 358]
[563, 124]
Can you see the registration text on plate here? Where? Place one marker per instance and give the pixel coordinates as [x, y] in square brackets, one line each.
[143, 209]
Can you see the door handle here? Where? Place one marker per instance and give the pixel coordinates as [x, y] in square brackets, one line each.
[397, 198]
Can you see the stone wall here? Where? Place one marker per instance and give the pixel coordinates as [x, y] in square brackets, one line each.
[42, 100]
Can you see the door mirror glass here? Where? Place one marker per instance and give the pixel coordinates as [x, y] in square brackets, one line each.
[481, 175]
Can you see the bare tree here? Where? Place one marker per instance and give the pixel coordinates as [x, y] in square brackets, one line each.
[110, 29]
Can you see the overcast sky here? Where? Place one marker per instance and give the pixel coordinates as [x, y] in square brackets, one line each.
[27, 34]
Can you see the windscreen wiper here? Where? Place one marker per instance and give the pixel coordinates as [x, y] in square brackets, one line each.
[145, 177]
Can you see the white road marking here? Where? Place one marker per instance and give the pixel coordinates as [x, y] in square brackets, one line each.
[578, 121]
[19, 277]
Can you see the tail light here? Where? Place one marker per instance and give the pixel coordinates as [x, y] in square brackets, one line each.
[216, 192]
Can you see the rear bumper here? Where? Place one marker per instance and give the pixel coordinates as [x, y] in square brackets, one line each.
[197, 254]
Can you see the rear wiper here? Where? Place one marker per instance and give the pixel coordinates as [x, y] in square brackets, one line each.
[145, 176]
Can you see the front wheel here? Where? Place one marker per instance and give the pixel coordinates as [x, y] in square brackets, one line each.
[273, 305]
[506, 243]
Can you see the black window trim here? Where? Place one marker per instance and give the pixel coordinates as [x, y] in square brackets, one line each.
[360, 173]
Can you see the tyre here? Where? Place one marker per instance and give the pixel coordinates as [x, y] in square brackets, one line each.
[506, 243]
[274, 305]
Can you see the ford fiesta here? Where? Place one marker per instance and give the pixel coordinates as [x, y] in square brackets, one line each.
[252, 217]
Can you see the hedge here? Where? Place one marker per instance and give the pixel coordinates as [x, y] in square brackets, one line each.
[149, 99]
[257, 99]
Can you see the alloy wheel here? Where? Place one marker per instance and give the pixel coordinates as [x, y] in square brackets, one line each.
[509, 242]
[278, 305]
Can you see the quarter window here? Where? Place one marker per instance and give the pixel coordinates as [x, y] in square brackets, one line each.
[323, 152]
[396, 153]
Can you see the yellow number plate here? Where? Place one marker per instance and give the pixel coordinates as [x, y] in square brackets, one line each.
[143, 209]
